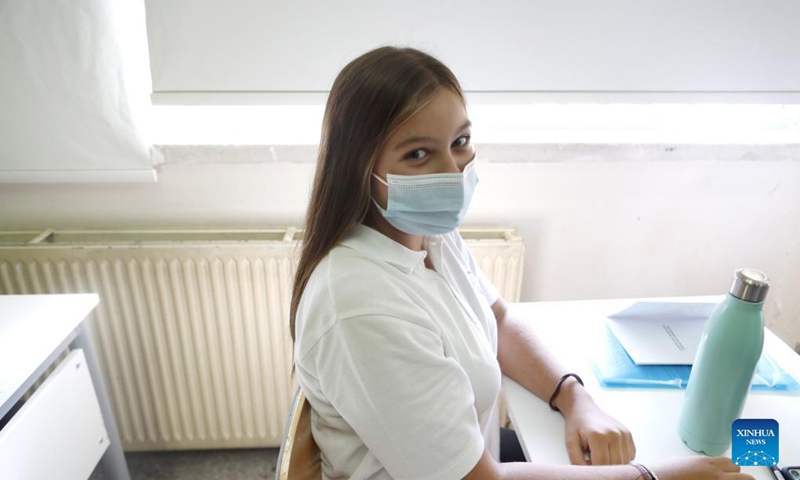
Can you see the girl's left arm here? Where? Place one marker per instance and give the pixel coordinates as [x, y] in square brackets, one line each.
[525, 358]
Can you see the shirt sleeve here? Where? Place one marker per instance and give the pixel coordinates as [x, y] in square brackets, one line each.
[410, 405]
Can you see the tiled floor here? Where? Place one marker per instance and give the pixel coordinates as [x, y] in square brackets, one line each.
[245, 464]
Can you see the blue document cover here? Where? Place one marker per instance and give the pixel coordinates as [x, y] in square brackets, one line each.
[615, 369]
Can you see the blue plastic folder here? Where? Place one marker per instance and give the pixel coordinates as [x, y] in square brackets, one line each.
[615, 369]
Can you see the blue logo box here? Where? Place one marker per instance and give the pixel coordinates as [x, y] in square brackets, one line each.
[754, 442]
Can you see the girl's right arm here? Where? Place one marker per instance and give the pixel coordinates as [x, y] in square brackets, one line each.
[680, 468]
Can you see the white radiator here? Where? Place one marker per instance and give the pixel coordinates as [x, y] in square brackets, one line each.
[192, 326]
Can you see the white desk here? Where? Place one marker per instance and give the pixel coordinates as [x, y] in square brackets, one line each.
[66, 426]
[569, 328]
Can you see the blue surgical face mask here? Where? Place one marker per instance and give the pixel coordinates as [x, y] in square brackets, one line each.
[429, 204]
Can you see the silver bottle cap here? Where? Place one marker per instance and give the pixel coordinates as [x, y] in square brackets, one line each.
[750, 285]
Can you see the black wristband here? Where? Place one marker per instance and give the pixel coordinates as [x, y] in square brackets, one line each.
[558, 389]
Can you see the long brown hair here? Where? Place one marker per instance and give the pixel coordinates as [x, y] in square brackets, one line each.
[372, 95]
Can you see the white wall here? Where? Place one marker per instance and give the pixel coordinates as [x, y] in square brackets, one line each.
[593, 230]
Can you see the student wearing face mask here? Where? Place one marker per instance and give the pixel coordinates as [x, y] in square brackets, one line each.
[400, 339]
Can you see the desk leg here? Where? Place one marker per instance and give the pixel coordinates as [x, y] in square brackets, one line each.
[113, 461]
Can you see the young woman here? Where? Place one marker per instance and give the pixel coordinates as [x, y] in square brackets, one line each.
[400, 340]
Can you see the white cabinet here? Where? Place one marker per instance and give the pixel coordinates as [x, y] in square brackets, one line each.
[66, 426]
[59, 431]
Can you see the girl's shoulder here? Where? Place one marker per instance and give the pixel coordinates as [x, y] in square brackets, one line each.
[345, 285]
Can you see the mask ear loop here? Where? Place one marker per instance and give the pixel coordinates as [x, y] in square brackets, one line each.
[380, 209]
[379, 179]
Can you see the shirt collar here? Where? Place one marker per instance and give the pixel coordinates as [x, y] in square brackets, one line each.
[375, 244]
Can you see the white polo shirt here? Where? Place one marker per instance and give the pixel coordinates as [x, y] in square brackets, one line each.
[398, 361]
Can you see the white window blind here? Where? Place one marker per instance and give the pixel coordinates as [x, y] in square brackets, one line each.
[74, 90]
[509, 51]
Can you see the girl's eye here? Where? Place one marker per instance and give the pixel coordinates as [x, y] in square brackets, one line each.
[414, 154]
[465, 142]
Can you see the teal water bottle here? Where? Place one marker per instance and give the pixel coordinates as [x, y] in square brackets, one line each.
[724, 365]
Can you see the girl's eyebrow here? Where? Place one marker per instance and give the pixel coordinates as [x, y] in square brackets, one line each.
[421, 138]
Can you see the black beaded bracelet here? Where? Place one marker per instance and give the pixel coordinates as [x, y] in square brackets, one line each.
[558, 389]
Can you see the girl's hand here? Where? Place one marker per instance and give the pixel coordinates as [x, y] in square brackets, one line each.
[590, 429]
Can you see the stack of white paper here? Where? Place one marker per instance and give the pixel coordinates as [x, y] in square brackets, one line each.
[661, 333]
